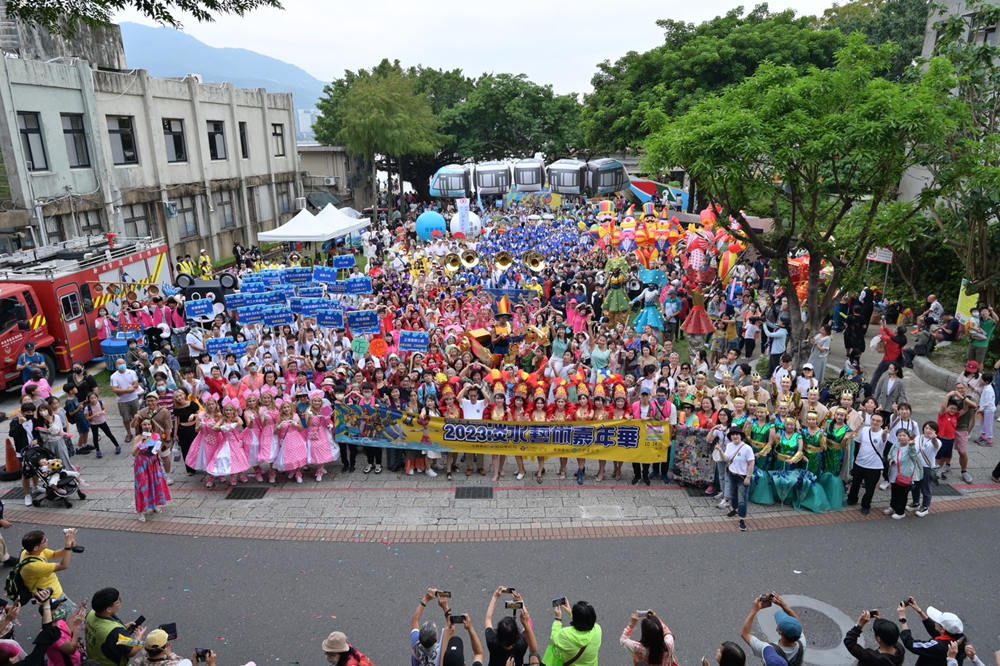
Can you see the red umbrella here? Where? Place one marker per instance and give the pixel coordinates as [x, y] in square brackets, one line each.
[437, 234]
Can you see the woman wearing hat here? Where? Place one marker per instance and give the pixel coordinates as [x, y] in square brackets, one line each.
[341, 653]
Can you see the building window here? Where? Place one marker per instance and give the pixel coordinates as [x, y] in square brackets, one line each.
[76, 140]
[54, 227]
[222, 201]
[187, 215]
[244, 141]
[278, 139]
[70, 306]
[284, 198]
[31, 140]
[121, 131]
[173, 137]
[135, 221]
[217, 139]
[89, 222]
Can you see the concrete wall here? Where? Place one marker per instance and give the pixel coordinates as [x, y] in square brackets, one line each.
[101, 46]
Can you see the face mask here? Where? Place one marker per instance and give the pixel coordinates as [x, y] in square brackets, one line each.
[121, 368]
[234, 381]
[161, 389]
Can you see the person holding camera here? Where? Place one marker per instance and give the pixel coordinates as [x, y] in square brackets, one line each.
[424, 645]
[454, 654]
[157, 650]
[655, 646]
[970, 653]
[506, 642]
[40, 564]
[944, 628]
[578, 644]
[789, 646]
[110, 642]
[888, 651]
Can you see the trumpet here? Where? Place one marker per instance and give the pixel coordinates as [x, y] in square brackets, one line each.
[504, 260]
[533, 261]
[469, 259]
[452, 262]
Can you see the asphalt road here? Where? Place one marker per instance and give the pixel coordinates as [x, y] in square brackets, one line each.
[273, 602]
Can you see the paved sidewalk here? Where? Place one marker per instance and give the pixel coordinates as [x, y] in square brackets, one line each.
[394, 507]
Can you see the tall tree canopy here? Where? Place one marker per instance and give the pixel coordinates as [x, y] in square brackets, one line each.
[493, 117]
[967, 218]
[61, 16]
[881, 21]
[695, 61]
[820, 152]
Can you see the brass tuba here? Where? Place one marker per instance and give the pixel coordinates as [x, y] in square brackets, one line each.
[469, 259]
[452, 262]
[504, 260]
[533, 261]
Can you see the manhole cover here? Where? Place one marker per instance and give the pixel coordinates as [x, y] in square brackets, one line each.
[14, 493]
[247, 493]
[945, 490]
[474, 492]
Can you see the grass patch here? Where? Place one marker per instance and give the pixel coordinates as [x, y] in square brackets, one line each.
[952, 356]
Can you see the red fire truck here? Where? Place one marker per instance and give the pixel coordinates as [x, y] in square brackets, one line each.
[51, 296]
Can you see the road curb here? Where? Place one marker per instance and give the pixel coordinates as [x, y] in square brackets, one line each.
[934, 375]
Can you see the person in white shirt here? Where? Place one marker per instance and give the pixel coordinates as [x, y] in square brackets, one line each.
[741, 459]
[987, 409]
[473, 406]
[928, 446]
[902, 420]
[869, 463]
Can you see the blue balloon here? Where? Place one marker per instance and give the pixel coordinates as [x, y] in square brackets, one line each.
[429, 222]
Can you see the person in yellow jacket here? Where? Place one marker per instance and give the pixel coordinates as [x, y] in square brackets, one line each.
[110, 642]
[579, 644]
[205, 265]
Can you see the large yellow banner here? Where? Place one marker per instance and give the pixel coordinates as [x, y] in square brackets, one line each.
[626, 441]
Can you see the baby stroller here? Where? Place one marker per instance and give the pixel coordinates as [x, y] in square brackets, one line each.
[55, 482]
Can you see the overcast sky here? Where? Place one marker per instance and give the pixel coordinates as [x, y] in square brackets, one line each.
[557, 43]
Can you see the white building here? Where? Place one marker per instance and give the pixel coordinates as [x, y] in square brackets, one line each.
[88, 150]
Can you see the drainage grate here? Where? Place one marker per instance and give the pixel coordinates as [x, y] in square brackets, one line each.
[474, 492]
[247, 493]
[945, 490]
[14, 493]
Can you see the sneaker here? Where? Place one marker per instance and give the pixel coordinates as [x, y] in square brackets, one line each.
[883, 484]
[518, 476]
[723, 503]
[409, 472]
[431, 473]
[177, 457]
[170, 480]
[898, 516]
[887, 511]
[966, 477]
[27, 500]
[142, 517]
[100, 455]
[580, 475]
[378, 469]
[743, 525]
[913, 506]
[635, 481]
[645, 479]
[732, 513]
[156, 509]
[118, 449]
[367, 469]
[923, 511]
[710, 490]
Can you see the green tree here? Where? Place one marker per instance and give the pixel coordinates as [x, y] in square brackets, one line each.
[822, 154]
[967, 217]
[61, 16]
[382, 113]
[881, 21]
[693, 62]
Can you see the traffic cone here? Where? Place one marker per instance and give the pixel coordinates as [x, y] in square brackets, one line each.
[12, 464]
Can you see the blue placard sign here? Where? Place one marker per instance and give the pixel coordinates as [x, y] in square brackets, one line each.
[414, 341]
[344, 261]
[324, 274]
[310, 291]
[337, 288]
[218, 345]
[297, 275]
[235, 301]
[363, 322]
[278, 316]
[201, 307]
[359, 285]
[330, 318]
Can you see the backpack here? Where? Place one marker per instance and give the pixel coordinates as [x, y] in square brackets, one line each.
[14, 586]
[794, 661]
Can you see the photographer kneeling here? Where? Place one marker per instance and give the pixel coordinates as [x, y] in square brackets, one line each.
[888, 652]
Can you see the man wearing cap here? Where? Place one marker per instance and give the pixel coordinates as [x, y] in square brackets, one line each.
[158, 650]
[741, 460]
[339, 651]
[943, 628]
[424, 645]
[30, 360]
[789, 650]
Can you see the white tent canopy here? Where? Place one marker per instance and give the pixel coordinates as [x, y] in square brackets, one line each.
[329, 223]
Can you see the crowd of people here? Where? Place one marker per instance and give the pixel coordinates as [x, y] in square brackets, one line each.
[592, 333]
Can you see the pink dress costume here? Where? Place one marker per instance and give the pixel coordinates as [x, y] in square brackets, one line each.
[319, 442]
[205, 443]
[229, 458]
[267, 437]
[292, 452]
[251, 436]
[151, 490]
